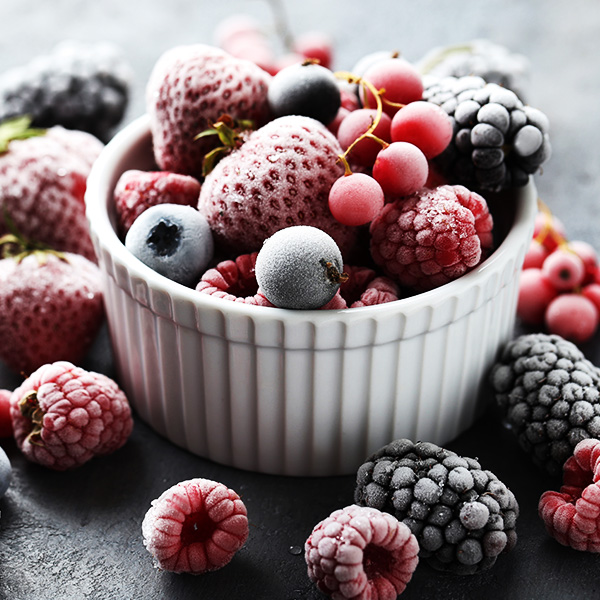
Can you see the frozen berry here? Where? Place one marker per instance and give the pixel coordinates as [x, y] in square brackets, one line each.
[549, 230]
[306, 89]
[535, 293]
[400, 169]
[592, 292]
[5, 472]
[572, 316]
[587, 253]
[314, 45]
[355, 199]
[299, 267]
[6, 429]
[64, 415]
[172, 239]
[564, 269]
[360, 553]
[195, 526]
[535, 256]
[572, 515]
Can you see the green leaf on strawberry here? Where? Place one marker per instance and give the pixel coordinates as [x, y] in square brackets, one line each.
[18, 128]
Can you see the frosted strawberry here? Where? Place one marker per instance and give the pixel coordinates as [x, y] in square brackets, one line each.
[64, 415]
[189, 88]
[281, 176]
[42, 184]
[51, 306]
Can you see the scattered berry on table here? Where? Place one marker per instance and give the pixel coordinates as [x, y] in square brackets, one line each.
[535, 294]
[548, 229]
[432, 237]
[535, 255]
[42, 186]
[462, 515]
[6, 428]
[195, 526]
[400, 169]
[138, 190]
[564, 269]
[79, 85]
[51, 308]
[498, 141]
[571, 515]
[423, 124]
[355, 199]
[189, 88]
[64, 415]
[279, 177]
[173, 240]
[572, 316]
[299, 267]
[549, 395]
[307, 89]
[5, 472]
[359, 553]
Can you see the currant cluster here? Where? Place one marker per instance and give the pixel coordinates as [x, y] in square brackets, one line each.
[560, 283]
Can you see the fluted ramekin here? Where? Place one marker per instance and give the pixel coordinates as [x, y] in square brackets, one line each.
[300, 392]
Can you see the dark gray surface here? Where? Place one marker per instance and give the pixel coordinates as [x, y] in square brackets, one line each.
[77, 535]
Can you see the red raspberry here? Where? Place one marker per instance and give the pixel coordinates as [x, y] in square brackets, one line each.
[195, 526]
[64, 415]
[364, 288]
[431, 237]
[189, 88]
[361, 553]
[138, 190]
[572, 516]
[6, 428]
[42, 185]
[51, 308]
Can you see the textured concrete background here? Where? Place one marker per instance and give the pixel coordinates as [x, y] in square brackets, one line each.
[77, 535]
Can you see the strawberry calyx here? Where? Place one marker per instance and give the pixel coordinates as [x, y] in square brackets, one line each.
[17, 128]
[231, 135]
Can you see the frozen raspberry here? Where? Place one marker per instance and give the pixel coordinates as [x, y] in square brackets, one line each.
[6, 428]
[360, 553]
[138, 190]
[431, 237]
[365, 288]
[64, 415]
[572, 516]
[549, 395]
[195, 526]
[462, 515]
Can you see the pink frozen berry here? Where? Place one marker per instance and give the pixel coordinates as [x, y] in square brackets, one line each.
[572, 316]
[592, 291]
[535, 293]
[549, 230]
[355, 199]
[63, 416]
[6, 428]
[361, 553]
[535, 256]
[195, 526]
[588, 255]
[564, 269]
[572, 515]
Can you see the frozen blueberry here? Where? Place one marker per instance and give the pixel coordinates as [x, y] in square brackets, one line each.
[299, 267]
[172, 239]
[5, 472]
[306, 89]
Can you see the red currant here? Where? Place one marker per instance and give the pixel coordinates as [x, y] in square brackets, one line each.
[354, 125]
[572, 316]
[355, 199]
[401, 169]
[535, 293]
[564, 269]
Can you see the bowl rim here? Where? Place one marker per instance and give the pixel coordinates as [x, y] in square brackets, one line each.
[100, 186]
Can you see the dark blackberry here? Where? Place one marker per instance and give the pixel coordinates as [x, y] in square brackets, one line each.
[550, 396]
[462, 516]
[498, 142]
[78, 85]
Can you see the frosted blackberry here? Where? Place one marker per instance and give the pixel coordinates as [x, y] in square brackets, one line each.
[549, 394]
[493, 62]
[78, 85]
[299, 267]
[462, 515]
[497, 143]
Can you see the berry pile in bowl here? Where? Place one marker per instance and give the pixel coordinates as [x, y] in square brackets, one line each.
[299, 267]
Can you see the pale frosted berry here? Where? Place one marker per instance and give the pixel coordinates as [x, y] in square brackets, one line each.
[564, 269]
[354, 125]
[355, 199]
[361, 553]
[592, 291]
[299, 267]
[535, 293]
[549, 230]
[5, 472]
[314, 45]
[195, 526]
[6, 428]
[587, 253]
[64, 415]
[400, 169]
[572, 515]
[423, 124]
[572, 316]
[535, 256]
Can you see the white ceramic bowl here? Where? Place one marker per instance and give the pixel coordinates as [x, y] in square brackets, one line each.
[300, 392]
